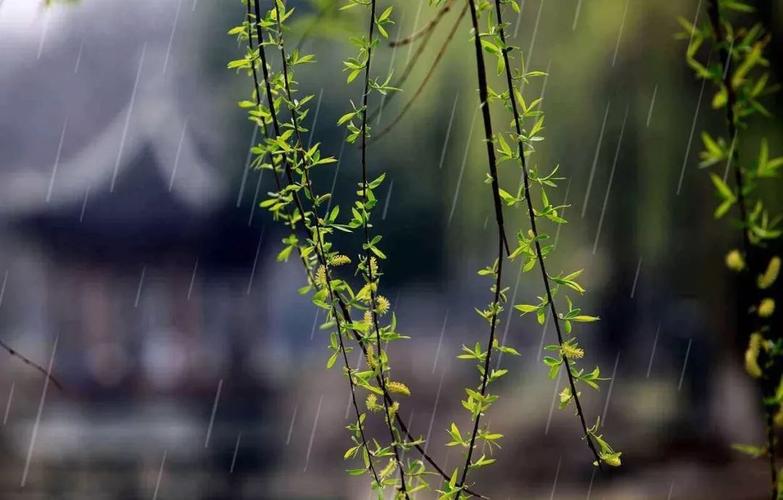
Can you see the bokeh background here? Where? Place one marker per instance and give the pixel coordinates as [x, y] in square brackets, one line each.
[130, 240]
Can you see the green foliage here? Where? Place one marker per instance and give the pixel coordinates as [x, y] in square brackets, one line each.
[741, 79]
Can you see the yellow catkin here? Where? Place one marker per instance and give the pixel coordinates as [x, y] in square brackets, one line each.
[398, 388]
[372, 402]
[571, 351]
[769, 277]
[735, 261]
[372, 361]
[778, 419]
[752, 355]
[320, 276]
[382, 304]
[766, 307]
[339, 260]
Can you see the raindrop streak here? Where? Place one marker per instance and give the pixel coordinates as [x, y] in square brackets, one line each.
[171, 37]
[462, 169]
[690, 137]
[388, 197]
[731, 157]
[552, 405]
[557, 474]
[255, 262]
[312, 432]
[47, 15]
[413, 30]
[652, 104]
[609, 186]
[448, 132]
[247, 165]
[576, 14]
[84, 204]
[192, 279]
[652, 354]
[590, 488]
[214, 412]
[315, 118]
[636, 277]
[684, 364]
[543, 336]
[440, 341]
[315, 323]
[160, 475]
[620, 34]
[127, 119]
[529, 55]
[141, 284]
[695, 20]
[8, 404]
[234, 458]
[2, 289]
[671, 490]
[176, 157]
[519, 19]
[255, 199]
[611, 386]
[38, 415]
[56, 161]
[595, 161]
[434, 411]
[78, 58]
[291, 426]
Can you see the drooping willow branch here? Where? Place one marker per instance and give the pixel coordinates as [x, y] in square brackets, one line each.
[16, 354]
[368, 247]
[341, 315]
[532, 216]
[426, 29]
[299, 206]
[495, 307]
[739, 91]
[430, 72]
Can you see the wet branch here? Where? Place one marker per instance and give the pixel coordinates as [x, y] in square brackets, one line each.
[533, 228]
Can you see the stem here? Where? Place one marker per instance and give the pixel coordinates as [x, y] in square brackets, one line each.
[751, 253]
[534, 229]
[502, 242]
[426, 29]
[367, 256]
[320, 253]
[14, 353]
[427, 77]
[488, 135]
[341, 301]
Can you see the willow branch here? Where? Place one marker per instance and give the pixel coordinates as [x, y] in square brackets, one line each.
[371, 279]
[534, 229]
[318, 241]
[427, 28]
[502, 243]
[24, 359]
[427, 77]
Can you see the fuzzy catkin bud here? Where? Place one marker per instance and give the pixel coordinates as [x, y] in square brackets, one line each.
[735, 261]
[766, 307]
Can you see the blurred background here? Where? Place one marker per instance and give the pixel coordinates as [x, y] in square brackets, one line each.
[134, 259]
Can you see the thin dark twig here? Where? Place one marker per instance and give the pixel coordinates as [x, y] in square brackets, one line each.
[367, 256]
[533, 228]
[427, 28]
[405, 73]
[427, 77]
[14, 353]
[502, 243]
[488, 135]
